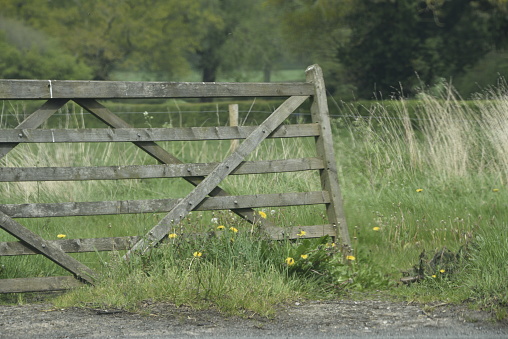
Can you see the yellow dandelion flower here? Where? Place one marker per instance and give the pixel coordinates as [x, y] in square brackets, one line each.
[304, 256]
[172, 235]
[351, 257]
[433, 276]
[232, 229]
[376, 228]
[290, 261]
[495, 190]
[442, 271]
[197, 254]
[301, 234]
[61, 236]
[221, 227]
[262, 214]
[419, 190]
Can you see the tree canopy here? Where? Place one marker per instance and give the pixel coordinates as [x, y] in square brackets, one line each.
[365, 47]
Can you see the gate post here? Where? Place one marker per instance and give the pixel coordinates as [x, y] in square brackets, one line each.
[324, 146]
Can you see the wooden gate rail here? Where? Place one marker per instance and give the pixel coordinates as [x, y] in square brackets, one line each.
[206, 177]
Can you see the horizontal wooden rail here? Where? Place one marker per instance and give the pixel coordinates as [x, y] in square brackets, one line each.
[21, 174]
[149, 134]
[15, 248]
[24, 285]
[67, 209]
[68, 89]
[72, 245]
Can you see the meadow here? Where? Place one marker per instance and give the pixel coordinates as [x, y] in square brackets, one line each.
[424, 189]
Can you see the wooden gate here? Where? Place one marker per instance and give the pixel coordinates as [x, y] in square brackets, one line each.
[206, 195]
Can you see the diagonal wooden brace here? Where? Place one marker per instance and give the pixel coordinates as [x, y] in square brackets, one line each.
[221, 171]
[46, 248]
[165, 157]
[35, 119]
[29, 238]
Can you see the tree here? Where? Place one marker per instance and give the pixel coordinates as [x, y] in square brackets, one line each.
[255, 43]
[397, 44]
[383, 45]
[150, 35]
[28, 54]
[313, 30]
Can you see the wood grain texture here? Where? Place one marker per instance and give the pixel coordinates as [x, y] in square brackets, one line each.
[69, 89]
[43, 284]
[22, 174]
[325, 150]
[148, 134]
[76, 209]
[72, 245]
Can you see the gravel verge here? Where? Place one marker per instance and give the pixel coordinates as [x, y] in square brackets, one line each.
[317, 319]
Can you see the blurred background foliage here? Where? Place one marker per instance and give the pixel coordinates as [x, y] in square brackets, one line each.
[367, 48]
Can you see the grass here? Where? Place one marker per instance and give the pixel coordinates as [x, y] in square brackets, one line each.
[432, 180]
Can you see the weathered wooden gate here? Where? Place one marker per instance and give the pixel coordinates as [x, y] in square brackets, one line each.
[207, 195]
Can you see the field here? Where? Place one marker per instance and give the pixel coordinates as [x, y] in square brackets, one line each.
[424, 191]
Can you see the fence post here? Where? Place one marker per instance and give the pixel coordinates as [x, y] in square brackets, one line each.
[233, 121]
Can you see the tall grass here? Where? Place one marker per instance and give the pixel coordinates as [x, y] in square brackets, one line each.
[436, 179]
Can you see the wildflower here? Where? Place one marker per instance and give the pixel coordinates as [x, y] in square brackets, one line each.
[290, 261]
[419, 190]
[301, 234]
[215, 220]
[232, 229]
[61, 236]
[304, 256]
[376, 228]
[442, 271]
[433, 276]
[221, 227]
[272, 212]
[197, 254]
[350, 257]
[262, 214]
[172, 235]
[495, 190]
[145, 113]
